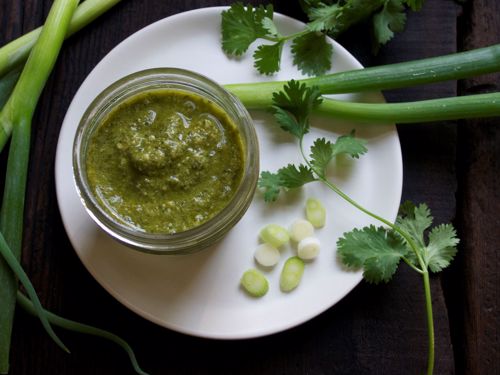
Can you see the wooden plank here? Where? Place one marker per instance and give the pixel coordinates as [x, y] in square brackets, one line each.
[473, 289]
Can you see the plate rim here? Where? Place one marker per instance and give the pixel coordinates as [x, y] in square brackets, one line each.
[116, 294]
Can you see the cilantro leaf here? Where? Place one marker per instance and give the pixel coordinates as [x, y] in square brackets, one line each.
[390, 19]
[322, 151]
[293, 105]
[415, 221]
[407, 208]
[312, 53]
[293, 177]
[289, 177]
[441, 242]
[321, 154]
[242, 25]
[267, 58]
[415, 4]
[377, 250]
[323, 17]
[289, 123]
[442, 247]
[270, 26]
[271, 183]
[350, 145]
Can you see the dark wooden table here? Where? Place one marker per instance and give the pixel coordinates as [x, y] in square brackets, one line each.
[453, 166]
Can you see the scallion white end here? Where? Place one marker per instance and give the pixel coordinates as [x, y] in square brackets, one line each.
[267, 255]
[301, 229]
[308, 248]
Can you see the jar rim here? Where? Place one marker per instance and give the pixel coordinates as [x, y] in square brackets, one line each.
[200, 236]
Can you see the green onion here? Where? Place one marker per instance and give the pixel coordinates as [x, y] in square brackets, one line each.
[470, 106]
[71, 325]
[17, 51]
[7, 84]
[15, 266]
[274, 235]
[254, 283]
[267, 255]
[410, 73]
[315, 212]
[301, 229]
[291, 274]
[456, 66]
[16, 117]
[308, 248]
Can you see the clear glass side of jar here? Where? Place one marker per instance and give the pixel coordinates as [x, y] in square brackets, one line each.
[194, 239]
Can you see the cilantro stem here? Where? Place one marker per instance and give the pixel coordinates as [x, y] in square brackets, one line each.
[284, 38]
[423, 267]
[411, 265]
[322, 178]
[422, 271]
[381, 219]
[430, 322]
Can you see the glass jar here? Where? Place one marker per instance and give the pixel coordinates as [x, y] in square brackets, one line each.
[198, 237]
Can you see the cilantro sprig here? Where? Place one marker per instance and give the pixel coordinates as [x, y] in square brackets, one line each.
[242, 25]
[337, 16]
[292, 108]
[377, 250]
[311, 52]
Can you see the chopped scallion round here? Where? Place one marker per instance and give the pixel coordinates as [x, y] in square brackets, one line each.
[301, 229]
[308, 248]
[315, 212]
[267, 255]
[255, 283]
[291, 274]
[274, 235]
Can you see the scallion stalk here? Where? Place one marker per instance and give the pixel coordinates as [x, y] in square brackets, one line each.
[71, 325]
[442, 68]
[7, 84]
[18, 271]
[16, 117]
[461, 107]
[16, 52]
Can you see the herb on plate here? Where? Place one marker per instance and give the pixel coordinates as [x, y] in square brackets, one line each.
[378, 250]
[243, 25]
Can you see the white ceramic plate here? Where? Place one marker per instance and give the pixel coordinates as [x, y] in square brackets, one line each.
[199, 294]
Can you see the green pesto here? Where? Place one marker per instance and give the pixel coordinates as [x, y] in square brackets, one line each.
[165, 161]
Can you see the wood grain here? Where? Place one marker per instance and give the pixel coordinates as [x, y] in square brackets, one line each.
[473, 287]
[374, 330]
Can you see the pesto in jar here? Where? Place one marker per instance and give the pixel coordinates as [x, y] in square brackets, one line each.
[165, 161]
